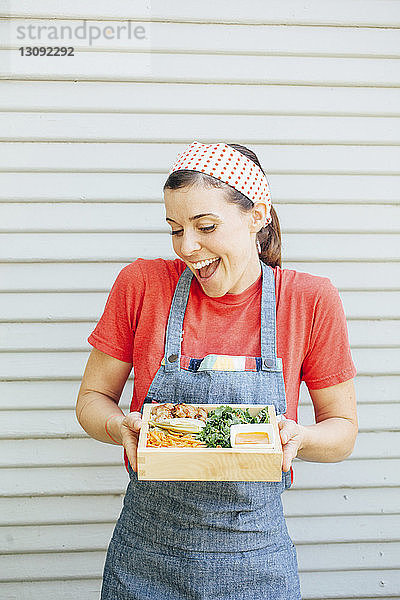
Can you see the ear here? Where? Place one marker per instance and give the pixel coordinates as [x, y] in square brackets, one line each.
[258, 216]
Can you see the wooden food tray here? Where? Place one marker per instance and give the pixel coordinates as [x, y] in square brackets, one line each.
[209, 464]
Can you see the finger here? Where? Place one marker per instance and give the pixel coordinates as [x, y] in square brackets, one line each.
[287, 431]
[137, 424]
[289, 452]
[130, 439]
[134, 415]
[286, 423]
[133, 421]
[131, 452]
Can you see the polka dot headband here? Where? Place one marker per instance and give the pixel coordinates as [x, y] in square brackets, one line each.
[230, 166]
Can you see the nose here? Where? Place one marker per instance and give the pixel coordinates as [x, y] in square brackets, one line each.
[189, 243]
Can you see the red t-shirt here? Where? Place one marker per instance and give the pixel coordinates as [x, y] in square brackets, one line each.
[311, 328]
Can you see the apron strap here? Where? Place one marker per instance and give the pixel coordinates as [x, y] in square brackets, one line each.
[173, 336]
[269, 360]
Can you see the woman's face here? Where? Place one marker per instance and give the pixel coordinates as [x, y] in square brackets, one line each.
[205, 227]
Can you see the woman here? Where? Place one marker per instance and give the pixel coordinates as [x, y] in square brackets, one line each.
[225, 295]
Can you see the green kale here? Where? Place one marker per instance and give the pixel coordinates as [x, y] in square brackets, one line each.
[216, 433]
[262, 416]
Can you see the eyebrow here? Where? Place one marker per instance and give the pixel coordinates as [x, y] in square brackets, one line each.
[195, 217]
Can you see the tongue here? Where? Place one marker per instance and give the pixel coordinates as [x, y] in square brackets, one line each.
[209, 269]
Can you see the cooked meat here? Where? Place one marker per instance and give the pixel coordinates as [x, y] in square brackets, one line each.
[163, 411]
[201, 414]
[185, 410]
[181, 410]
[188, 410]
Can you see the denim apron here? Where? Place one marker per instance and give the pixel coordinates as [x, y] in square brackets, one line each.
[207, 540]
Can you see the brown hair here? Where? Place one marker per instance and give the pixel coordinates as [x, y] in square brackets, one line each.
[269, 236]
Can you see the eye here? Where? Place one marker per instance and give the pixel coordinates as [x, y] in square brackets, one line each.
[176, 232]
[207, 229]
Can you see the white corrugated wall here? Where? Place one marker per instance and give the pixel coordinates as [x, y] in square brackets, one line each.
[85, 145]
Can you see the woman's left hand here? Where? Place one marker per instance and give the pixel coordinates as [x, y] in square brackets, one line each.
[292, 438]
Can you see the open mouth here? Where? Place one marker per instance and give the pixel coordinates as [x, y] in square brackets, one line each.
[208, 271]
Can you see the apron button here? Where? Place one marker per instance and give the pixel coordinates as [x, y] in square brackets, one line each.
[269, 362]
[173, 358]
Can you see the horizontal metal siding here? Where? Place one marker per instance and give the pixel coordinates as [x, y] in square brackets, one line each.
[84, 150]
[72, 336]
[331, 12]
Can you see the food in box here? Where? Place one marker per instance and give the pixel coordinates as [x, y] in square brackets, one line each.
[192, 442]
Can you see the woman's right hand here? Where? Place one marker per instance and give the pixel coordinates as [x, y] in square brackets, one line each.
[129, 429]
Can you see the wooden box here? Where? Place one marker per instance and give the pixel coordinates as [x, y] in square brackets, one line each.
[209, 464]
